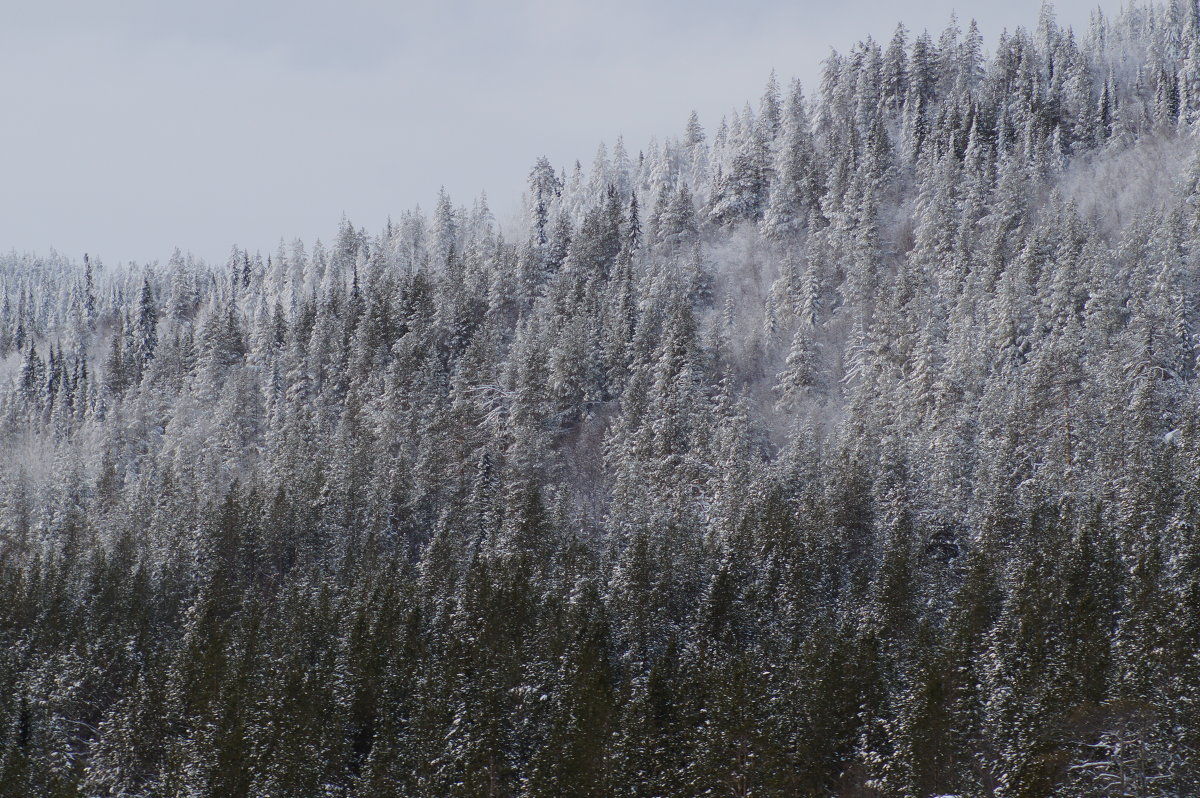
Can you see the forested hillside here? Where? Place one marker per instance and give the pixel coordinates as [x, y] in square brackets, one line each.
[848, 447]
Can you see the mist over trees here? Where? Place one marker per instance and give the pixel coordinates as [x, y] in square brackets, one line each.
[847, 447]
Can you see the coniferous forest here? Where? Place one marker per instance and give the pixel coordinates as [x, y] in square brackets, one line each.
[848, 447]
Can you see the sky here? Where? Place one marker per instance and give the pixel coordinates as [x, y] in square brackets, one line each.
[133, 127]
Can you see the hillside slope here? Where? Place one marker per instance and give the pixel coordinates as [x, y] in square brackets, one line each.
[848, 449]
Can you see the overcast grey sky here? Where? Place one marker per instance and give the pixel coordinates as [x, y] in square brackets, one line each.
[134, 126]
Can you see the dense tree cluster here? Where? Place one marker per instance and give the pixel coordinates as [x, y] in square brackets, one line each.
[851, 452]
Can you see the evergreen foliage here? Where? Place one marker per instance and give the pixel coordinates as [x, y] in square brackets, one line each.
[852, 451]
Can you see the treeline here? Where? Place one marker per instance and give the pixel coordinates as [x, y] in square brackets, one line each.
[852, 452]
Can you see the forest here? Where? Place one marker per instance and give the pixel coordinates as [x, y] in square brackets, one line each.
[849, 447]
